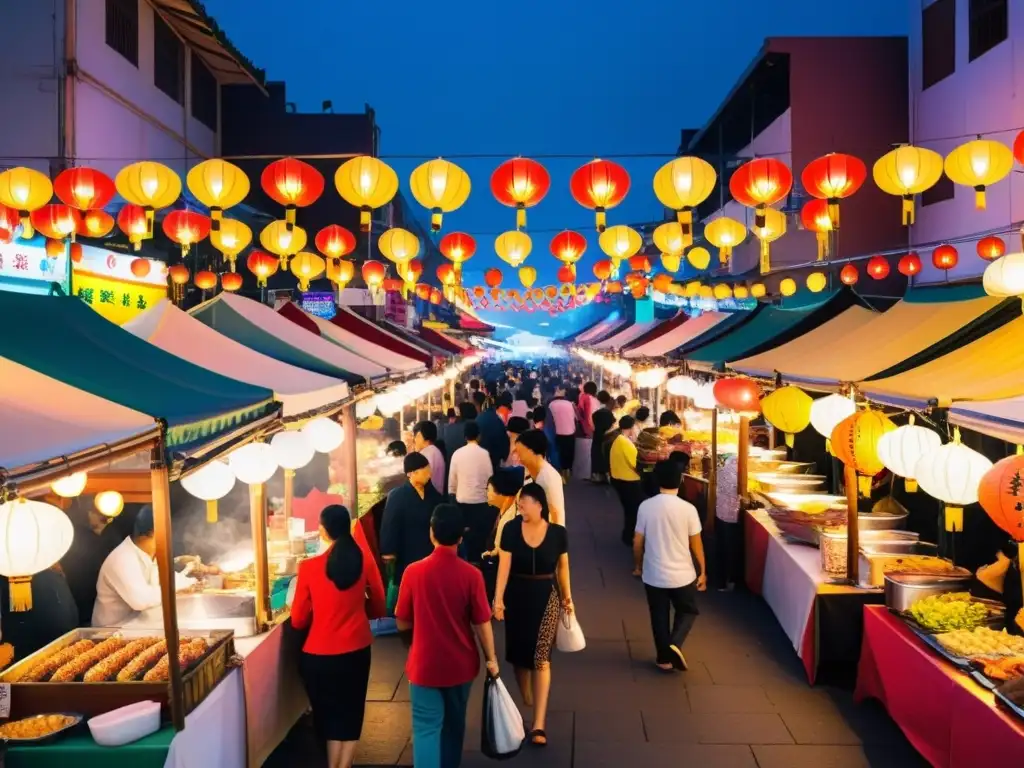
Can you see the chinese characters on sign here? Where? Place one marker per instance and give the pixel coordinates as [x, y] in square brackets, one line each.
[320, 304]
[117, 300]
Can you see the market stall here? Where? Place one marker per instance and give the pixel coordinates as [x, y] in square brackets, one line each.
[626, 335]
[651, 334]
[685, 333]
[358, 325]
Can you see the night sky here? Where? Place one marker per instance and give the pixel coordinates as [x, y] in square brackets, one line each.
[534, 77]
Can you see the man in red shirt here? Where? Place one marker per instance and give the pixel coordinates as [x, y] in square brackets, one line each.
[444, 602]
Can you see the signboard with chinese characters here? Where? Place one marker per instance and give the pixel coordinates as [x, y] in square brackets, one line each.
[319, 303]
[25, 267]
[697, 304]
[105, 281]
[118, 266]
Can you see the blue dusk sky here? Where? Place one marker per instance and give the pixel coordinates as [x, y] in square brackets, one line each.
[533, 77]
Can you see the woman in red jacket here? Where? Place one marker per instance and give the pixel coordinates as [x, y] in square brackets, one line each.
[335, 596]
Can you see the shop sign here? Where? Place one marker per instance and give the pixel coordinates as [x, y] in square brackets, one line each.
[319, 303]
[118, 266]
[699, 304]
[23, 261]
[117, 300]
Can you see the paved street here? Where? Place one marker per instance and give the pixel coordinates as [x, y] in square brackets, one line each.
[744, 703]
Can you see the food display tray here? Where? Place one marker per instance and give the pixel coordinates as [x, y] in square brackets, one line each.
[1004, 702]
[50, 737]
[931, 641]
[90, 699]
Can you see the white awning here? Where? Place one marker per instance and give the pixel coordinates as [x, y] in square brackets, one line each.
[675, 338]
[626, 335]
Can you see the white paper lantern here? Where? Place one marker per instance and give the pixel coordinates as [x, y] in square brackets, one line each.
[253, 463]
[901, 449]
[33, 536]
[704, 396]
[952, 473]
[1005, 276]
[827, 412]
[71, 485]
[388, 403]
[211, 482]
[365, 408]
[324, 434]
[292, 450]
[651, 378]
[681, 386]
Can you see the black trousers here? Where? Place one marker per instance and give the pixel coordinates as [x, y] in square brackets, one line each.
[729, 551]
[668, 629]
[566, 445]
[631, 496]
[480, 520]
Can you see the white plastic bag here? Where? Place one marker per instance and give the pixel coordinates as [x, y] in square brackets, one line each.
[570, 637]
[503, 732]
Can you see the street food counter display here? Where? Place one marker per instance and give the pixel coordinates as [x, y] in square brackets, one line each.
[379, 471]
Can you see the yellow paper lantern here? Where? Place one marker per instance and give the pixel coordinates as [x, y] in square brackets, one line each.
[366, 183]
[671, 261]
[527, 276]
[699, 258]
[816, 282]
[692, 289]
[979, 164]
[725, 234]
[774, 228]
[740, 291]
[283, 239]
[441, 187]
[513, 247]
[399, 245]
[217, 184]
[307, 266]
[788, 409]
[758, 290]
[149, 185]
[670, 239]
[907, 171]
[620, 242]
[25, 190]
[854, 442]
[706, 292]
[787, 287]
[231, 238]
[722, 291]
[682, 184]
[340, 272]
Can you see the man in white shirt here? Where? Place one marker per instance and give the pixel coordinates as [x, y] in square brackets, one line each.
[467, 481]
[665, 545]
[128, 583]
[531, 448]
[424, 435]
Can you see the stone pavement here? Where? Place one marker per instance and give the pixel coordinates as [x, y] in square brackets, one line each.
[744, 703]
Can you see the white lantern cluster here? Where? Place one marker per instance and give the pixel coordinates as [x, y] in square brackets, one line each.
[704, 396]
[253, 463]
[682, 386]
[393, 399]
[902, 449]
[827, 412]
[211, 482]
[952, 472]
[1005, 276]
[651, 378]
[33, 536]
[616, 367]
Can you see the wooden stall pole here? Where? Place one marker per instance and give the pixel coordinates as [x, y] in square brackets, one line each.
[258, 522]
[743, 458]
[852, 525]
[289, 493]
[165, 569]
[348, 424]
[709, 515]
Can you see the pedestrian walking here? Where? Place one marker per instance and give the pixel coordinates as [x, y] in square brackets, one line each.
[467, 482]
[424, 435]
[625, 476]
[563, 417]
[405, 529]
[531, 448]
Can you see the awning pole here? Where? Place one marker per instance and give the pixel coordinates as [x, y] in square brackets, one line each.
[348, 424]
[709, 515]
[258, 522]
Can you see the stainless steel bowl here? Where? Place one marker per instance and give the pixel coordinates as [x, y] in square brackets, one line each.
[902, 590]
[782, 467]
[867, 521]
[777, 481]
[907, 547]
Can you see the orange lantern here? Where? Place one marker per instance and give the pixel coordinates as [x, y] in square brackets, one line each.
[9, 220]
[832, 178]
[849, 275]
[373, 275]
[496, 294]
[340, 272]
[391, 284]
[878, 267]
[603, 269]
[76, 253]
[537, 294]
[738, 394]
[520, 183]
[479, 291]
[423, 291]
[96, 224]
[205, 280]
[909, 265]
[54, 248]
[435, 296]
[759, 183]
[992, 247]
[186, 228]
[141, 267]
[638, 289]
[293, 184]
[566, 274]
[815, 218]
[1001, 495]
[854, 442]
[640, 263]
[599, 185]
[457, 247]
[568, 246]
[945, 257]
[662, 282]
[493, 277]
[84, 188]
[231, 281]
[446, 274]
[131, 220]
[263, 265]
[334, 241]
[56, 221]
[413, 270]
[550, 291]
[613, 287]
[179, 274]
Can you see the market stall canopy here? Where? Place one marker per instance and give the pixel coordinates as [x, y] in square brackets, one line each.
[626, 335]
[259, 327]
[469, 323]
[1002, 419]
[358, 325]
[657, 331]
[62, 337]
[573, 337]
[806, 347]
[717, 331]
[683, 333]
[602, 332]
[394, 363]
[45, 418]
[925, 324]
[989, 368]
[173, 330]
[438, 339]
[411, 338]
[772, 327]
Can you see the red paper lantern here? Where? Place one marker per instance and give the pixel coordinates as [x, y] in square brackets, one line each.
[54, 248]
[84, 188]
[832, 178]
[96, 224]
[413, 270]
[435, 296]
[423, 291]
[457, 247]
[131, 220]
[991, 248]
[496, 294]
[909, 265]
[293, 184]
[550, 291]
[738, 394]
[568, 246]
[141, 267]
[878, 267]
[231, 281]
[520, 183]
[1000, 495]
[205, 280]
[640, 263]
[186, 228]
[334, 241]
[263, 265]
[56, 221]
[599, 185]
[479, 291]
[945, 257]
[815, 218]
[493, 277]
[603, 269]
[566, 274]
[76, 253]
[446, 274]
[760, 183]
[849, 275]
[373, 274]
[662, 282]
[179, 274]
[1018, 147]
[9, 220]
[392, 284]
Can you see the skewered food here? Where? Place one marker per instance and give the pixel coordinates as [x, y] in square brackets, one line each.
[35, 727]
[188, 654]
[138, 666]
[47, 667]
[115, 662]
[981, 641]
[1002, 667]
[79, 665]
[953, 610]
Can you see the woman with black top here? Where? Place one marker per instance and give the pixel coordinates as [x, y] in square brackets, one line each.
[531, 595]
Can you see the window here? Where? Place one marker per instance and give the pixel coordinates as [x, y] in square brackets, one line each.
[123, 28]
[938, 42]
[989, 24]
[168, 61]
[204, 94]
[943, 190]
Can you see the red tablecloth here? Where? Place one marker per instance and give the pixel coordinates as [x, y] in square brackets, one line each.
[950, 719]
[755, 540]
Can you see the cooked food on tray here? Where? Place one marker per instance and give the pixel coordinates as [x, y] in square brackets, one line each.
[188, 654]
[1014, 690]
[1002, 667]
[48, 666]
[108, 668]
[981, 641]
[82, 663]
[953, 610]
[35, 727]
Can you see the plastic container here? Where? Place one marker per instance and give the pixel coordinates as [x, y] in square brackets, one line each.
[125, 725]
[833, 554]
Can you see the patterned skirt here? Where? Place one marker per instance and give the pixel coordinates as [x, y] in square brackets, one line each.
[532, 608]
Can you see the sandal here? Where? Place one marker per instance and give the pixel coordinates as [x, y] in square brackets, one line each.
[538, 738]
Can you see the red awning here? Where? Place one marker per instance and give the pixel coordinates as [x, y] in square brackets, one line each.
[370, 331]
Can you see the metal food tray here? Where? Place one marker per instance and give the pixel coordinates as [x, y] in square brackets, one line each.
[53, 736]
[1005, 702]
[935, 645]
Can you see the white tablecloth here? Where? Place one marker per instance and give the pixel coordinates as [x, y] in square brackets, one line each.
[214, 732]
[792, 573]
